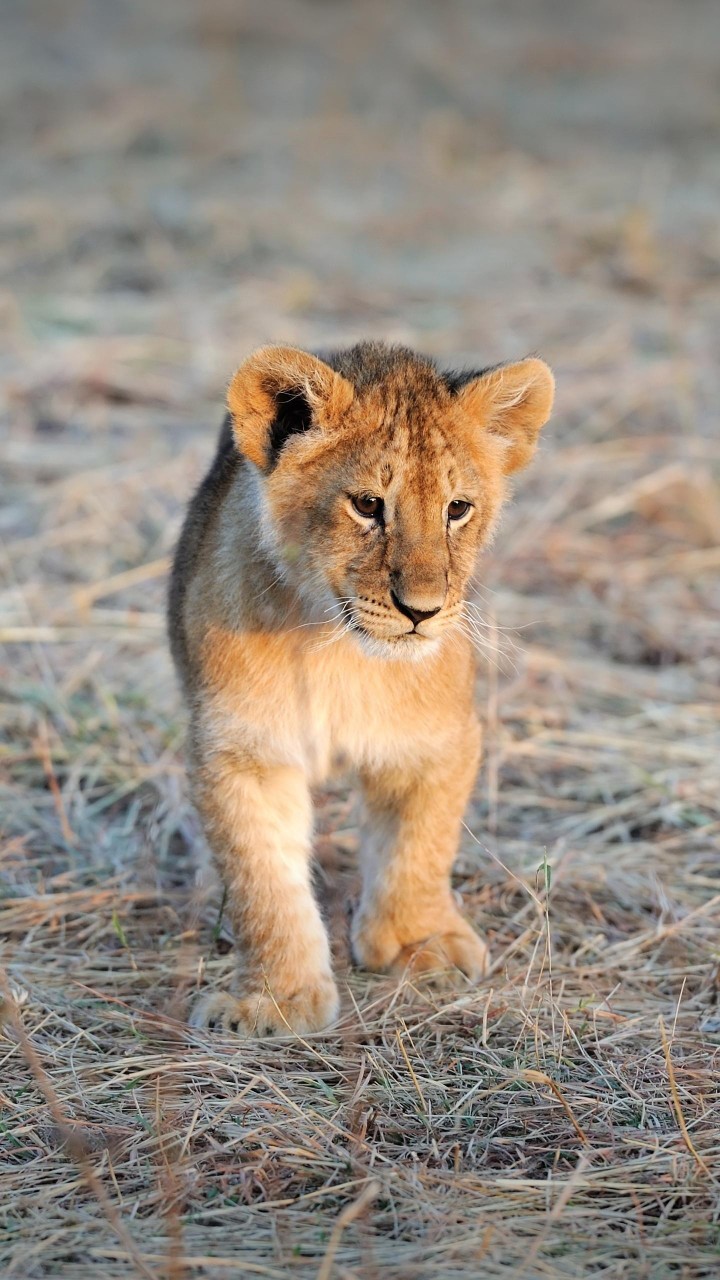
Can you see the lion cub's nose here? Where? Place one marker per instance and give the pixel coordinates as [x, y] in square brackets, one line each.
[415, 615]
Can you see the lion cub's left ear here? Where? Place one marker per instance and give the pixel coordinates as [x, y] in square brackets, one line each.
[281, 392]
[512, 402]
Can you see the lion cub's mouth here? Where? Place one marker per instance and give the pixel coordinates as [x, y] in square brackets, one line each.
[399, 637]
[410, 644]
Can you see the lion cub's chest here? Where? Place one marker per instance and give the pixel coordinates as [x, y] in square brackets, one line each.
[353, 713]
[346, 717]
[332, 710]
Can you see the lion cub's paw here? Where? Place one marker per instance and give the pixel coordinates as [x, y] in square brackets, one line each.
[447, 955]
[455, 950]
[375, 943]
[311, 1008]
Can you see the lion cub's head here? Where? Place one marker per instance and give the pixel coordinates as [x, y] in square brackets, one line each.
[380, 478]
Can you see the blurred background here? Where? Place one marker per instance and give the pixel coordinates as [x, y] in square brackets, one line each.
[477, 177]
[183, 180]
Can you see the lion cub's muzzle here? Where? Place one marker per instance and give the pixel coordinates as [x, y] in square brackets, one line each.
[401, 622]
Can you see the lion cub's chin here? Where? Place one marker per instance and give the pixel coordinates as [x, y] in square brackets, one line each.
[409, 647]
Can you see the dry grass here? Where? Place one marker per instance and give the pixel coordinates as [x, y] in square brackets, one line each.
[165, 212]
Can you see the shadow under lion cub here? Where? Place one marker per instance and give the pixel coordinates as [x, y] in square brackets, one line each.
[317, 615]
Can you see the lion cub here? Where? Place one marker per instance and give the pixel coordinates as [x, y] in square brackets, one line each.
[316, 618]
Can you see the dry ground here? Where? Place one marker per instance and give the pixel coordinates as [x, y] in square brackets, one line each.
[180, 182]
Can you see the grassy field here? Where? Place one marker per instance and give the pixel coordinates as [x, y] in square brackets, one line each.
[180, 183]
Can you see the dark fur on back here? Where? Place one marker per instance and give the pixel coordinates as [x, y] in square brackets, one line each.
[203, 509]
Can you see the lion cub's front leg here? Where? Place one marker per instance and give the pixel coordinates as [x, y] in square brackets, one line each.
[407, 915]
[258, 820]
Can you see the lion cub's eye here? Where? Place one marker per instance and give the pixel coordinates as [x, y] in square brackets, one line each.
[368, 506]
[457, 509]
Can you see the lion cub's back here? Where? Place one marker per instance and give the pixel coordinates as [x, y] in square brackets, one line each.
[197, 526]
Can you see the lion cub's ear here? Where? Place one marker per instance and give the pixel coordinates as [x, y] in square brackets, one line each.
[513, 402]
[279, 392]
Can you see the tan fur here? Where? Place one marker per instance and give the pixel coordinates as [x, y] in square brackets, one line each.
[297, 660]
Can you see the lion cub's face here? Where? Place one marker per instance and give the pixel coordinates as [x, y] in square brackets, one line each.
[380, 479]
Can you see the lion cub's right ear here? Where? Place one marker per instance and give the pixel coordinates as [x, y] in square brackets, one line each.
[279, 392]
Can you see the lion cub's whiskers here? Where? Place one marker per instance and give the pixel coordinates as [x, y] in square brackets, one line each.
[344, 617]
[485, 639]
[480, 617]
[335, 635]
[323, 622]
[342, 602]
